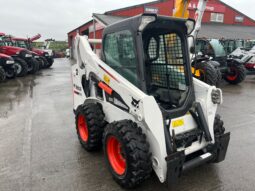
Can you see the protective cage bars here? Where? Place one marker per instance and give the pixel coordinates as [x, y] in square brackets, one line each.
[167, 67]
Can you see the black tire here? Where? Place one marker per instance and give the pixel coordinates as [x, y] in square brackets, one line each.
[45, 62]
[10, 73]
[219, 77]
[208, 73]
[93, 126]
[41, 63]
[34, 66]
[236, 75]
[2, 75]
[50, 62]
[133, 148]
[21, 66]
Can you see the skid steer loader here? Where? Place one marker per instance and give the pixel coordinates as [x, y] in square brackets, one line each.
[140, 102]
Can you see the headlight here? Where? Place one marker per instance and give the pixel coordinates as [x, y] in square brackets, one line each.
[28, 55]
[146, 19]
[46, 54]
[36, 56]
[190, 24]
[217, 96]
[9, 62]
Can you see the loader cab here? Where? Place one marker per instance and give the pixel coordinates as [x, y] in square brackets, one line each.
[212, 48]
[151, 52]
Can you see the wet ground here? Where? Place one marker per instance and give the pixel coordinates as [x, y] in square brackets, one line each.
[39, 149]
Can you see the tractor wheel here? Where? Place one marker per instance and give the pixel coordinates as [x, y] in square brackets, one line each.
[90, 126]
[21, 67]
[2, 75]
[10, 73]
[50, 62]
[219, 77]
[208, 73]
[127, 153]
[236, 75]
[34, 66]
[41, 63]
[45, 62]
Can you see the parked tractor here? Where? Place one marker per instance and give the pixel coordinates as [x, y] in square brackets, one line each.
[7, 67]
[140, 103]
[232, 69]
[22, 43]
[24, 60]
[47, 52]
[241, 49]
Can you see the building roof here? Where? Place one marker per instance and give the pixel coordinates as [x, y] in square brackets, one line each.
[158, 1]
[207, 30]
[134, 6]
[227, 31]
[80, 26]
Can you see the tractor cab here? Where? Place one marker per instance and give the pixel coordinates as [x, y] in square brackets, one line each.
[212, 48]
[153, 55]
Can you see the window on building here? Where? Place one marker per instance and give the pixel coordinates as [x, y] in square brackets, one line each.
[120, 54]
[217, 17]
[239, 19]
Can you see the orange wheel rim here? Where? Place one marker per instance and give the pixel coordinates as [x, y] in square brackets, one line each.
[115, 155]
[234, 75]
[83, 128]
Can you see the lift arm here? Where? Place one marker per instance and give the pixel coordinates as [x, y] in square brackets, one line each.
[182, 11]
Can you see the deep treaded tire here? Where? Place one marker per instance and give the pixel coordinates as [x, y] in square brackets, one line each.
[50, 62]
[90, 125]
[45, 62]
[219, 77]
[35, 66]
[22, 67]
[2, 75]
[208, 73]
[133, 153]
[41, 63]
[237, 75]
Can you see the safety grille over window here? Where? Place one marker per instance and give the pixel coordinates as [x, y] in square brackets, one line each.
[166, 62]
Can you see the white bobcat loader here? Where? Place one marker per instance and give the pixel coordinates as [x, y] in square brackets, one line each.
[140, 103]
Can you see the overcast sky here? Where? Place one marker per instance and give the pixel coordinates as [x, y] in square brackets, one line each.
[54, 18]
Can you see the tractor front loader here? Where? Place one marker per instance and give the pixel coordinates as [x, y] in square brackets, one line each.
[140, 103]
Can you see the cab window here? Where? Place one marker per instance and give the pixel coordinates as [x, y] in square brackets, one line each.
[119, 52]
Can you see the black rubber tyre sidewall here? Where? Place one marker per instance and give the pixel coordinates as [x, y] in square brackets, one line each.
[210, 72]
[137, 170]
[35, 66]
[95, 122]
[50, 62]
[23, 65]
[45, 62]
[2, 75]
[241, 74]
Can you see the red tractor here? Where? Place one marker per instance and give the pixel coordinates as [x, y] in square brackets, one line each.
[24, 59]
[45, 55]
[20, 42]
[7, 67]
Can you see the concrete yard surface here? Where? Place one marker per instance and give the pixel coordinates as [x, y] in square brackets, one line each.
[39, 149]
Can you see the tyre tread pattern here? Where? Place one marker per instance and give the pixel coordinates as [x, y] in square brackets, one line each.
[241, 74]
[211, 76]
[95, 121]
[23, 65]
[138, 156]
